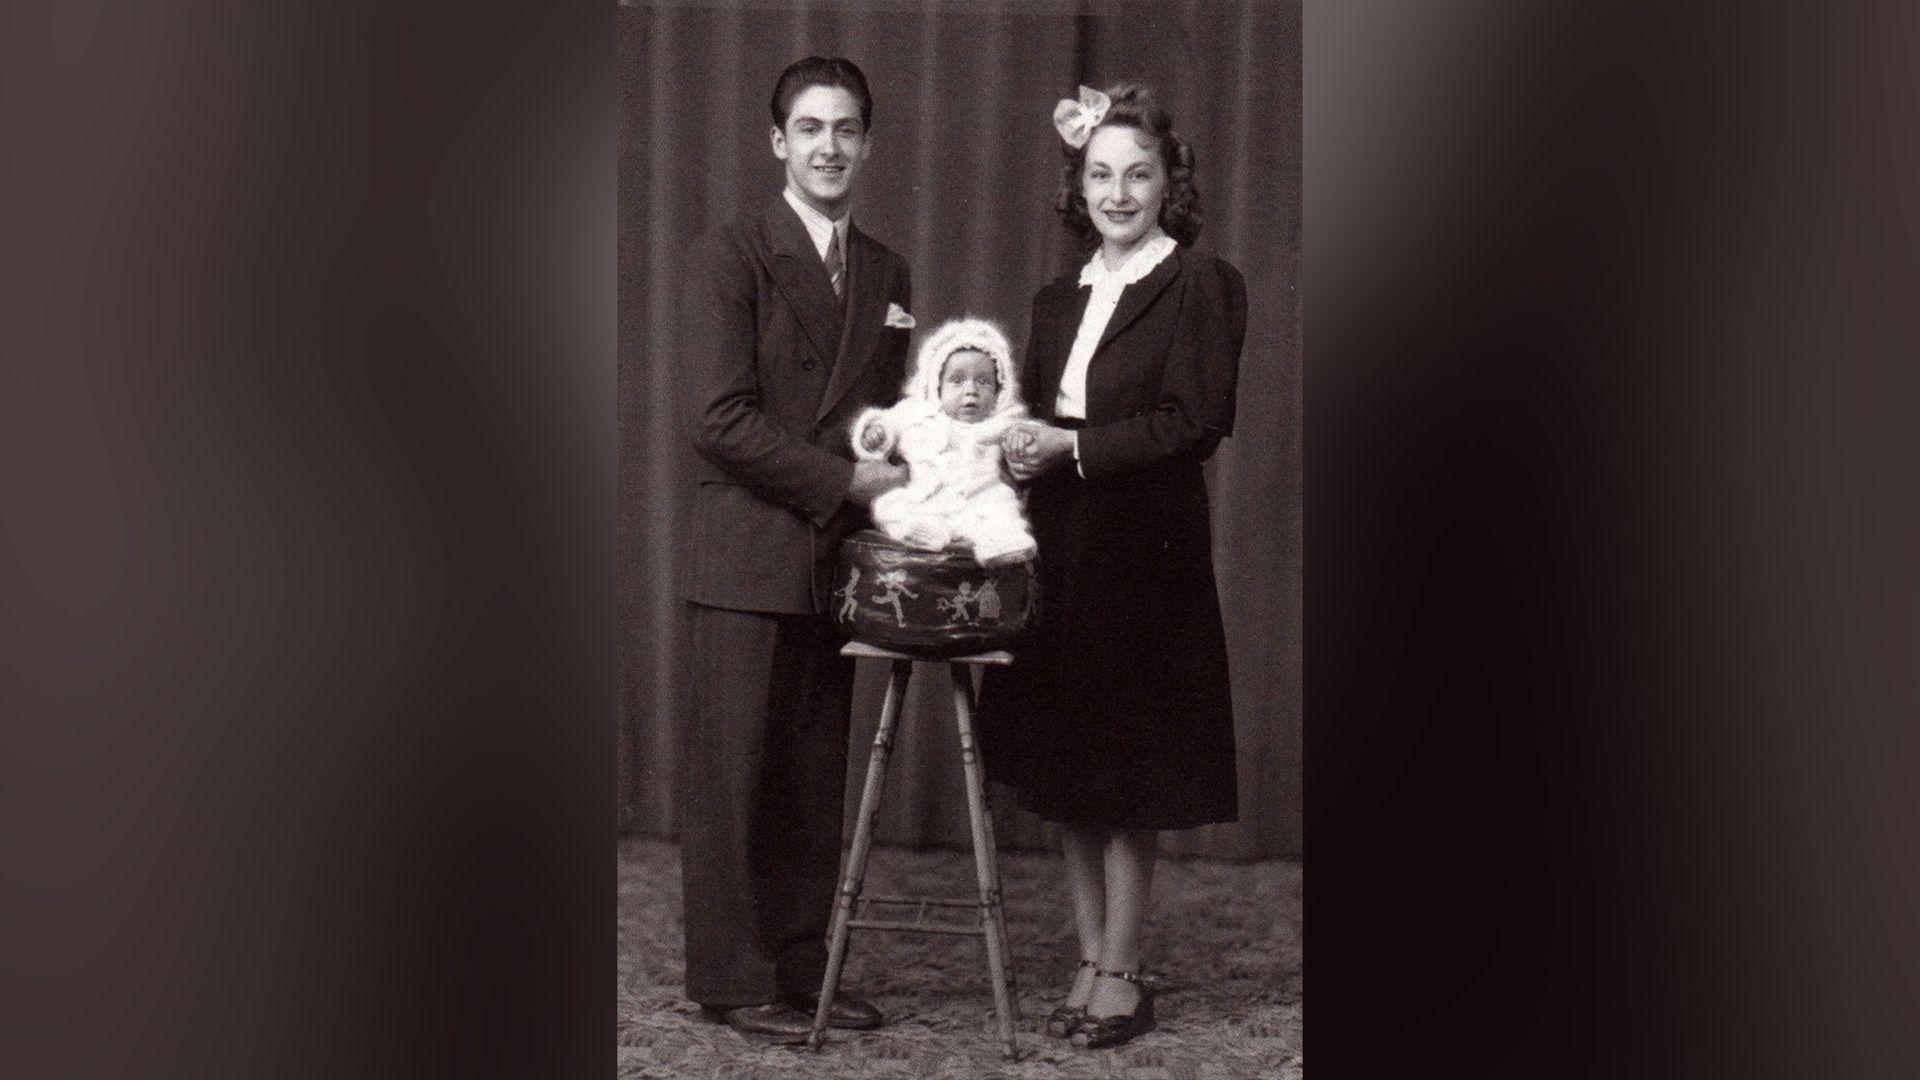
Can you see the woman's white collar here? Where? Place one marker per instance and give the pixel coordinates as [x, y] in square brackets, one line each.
[1138, 265]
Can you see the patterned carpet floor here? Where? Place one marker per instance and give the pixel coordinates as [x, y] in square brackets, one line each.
[1223, 949]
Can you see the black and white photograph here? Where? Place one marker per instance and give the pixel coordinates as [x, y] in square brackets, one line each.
[849, 458]
[960, 539]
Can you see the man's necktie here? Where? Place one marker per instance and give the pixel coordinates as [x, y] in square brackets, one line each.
[837, 266]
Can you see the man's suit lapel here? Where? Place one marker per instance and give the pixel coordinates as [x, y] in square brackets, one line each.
[802, 279]
[1135, 297]
[866, 317]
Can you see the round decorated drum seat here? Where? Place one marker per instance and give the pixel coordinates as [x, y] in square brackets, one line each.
[933, 603]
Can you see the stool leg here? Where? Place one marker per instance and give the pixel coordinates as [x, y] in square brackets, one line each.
[986, 867]
[850, 882]
[999, 909]
[993, 858]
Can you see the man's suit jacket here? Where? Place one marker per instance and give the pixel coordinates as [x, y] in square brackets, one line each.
[771, 376]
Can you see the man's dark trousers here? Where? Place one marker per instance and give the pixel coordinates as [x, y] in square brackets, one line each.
[762, 800]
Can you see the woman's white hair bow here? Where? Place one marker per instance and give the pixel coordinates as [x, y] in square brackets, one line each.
[1077, 119]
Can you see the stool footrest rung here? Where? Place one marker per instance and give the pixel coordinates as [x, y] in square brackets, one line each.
[919, 923]
[916, 927]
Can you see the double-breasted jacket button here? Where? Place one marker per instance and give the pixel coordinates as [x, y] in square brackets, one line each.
[807, 364]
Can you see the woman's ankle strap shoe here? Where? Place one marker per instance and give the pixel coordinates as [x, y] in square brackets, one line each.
[1066, 1019]
[1099, 1032]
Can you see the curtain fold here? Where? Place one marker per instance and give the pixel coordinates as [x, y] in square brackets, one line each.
[961, 182]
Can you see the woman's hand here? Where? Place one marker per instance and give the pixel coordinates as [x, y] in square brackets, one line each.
[1032, 448]
[874, 438]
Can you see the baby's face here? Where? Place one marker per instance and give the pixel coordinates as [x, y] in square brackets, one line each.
[969, 386]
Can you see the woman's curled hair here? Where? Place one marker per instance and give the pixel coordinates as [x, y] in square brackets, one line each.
[1133, 106]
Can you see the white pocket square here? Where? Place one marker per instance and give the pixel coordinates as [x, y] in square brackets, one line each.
[897, 316]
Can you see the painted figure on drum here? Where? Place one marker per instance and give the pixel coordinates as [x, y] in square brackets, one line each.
[987, 601]
[849, 603]
[959, 401]
[894, 582]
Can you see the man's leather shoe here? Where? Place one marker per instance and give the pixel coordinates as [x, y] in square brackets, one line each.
[848, 1012]
[774, 1022]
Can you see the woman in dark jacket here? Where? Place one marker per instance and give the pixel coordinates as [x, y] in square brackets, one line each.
[1116, 720]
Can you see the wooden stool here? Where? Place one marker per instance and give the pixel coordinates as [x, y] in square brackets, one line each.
[849, 914]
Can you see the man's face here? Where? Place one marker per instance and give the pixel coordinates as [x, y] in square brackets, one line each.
[969, 386]
[823, 144]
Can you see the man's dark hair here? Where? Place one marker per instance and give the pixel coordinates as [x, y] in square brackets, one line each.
[820, 71]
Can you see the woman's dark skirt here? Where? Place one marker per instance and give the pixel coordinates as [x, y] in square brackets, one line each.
[1117, 711]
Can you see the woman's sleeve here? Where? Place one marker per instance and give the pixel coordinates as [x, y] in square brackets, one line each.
[1195, 407]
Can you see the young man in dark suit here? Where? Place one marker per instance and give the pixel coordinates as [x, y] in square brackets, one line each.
[794, 321]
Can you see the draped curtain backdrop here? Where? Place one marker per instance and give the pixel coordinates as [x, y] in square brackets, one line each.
[961, 182]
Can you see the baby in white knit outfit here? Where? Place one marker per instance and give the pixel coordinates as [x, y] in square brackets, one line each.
[961, 398]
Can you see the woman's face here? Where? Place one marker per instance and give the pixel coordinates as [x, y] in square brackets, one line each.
[1124, 183]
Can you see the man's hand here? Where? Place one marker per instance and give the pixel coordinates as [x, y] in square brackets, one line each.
[872, 479]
